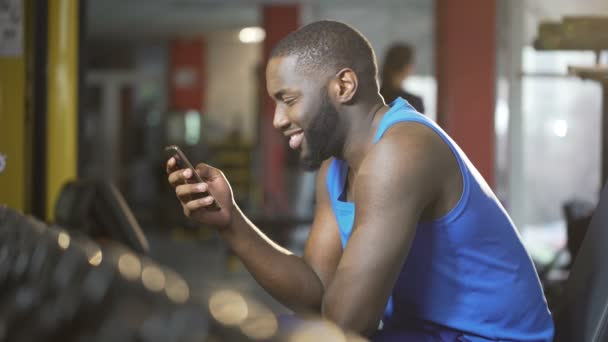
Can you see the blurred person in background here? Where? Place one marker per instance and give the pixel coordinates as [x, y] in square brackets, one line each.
[398, 65]
[408, 241]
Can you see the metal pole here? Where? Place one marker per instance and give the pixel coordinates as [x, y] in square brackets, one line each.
[62, 98]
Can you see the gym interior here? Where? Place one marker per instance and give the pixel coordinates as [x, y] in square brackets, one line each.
[95, 246]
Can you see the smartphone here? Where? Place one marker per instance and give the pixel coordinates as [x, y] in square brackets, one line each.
[182, 162]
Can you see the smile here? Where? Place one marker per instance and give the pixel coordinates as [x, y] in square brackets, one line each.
[295, 140]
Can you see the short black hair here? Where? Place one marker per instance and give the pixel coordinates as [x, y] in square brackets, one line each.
[330, 46]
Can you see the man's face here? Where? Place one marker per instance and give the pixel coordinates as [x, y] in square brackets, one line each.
[304, 112]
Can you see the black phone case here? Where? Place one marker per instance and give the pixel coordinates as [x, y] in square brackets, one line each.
[183, 163]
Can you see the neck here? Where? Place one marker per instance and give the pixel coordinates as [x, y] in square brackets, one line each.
[362, 128]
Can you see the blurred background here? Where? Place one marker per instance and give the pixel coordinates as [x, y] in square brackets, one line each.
[94, 90]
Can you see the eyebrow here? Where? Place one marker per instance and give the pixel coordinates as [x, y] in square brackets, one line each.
[279, 94]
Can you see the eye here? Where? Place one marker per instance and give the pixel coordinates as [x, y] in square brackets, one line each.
[289, 100]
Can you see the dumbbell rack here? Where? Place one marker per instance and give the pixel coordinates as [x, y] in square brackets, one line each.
[60, 286]
[56, 286]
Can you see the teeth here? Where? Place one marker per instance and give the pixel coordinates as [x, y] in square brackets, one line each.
[295, 140]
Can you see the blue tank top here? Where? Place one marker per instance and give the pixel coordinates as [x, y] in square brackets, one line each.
[468, 270]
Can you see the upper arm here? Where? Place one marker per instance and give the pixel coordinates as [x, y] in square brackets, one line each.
[323, 248]
[395, 183]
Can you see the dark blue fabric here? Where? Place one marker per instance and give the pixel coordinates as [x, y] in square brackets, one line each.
[467, 271]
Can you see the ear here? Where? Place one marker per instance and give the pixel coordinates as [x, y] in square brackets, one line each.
[345, 85]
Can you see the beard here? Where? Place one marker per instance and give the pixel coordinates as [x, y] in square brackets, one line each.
[321, 136]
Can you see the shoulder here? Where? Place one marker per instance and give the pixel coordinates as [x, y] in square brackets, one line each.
[409, 141]
[409, 155]
[401, 175]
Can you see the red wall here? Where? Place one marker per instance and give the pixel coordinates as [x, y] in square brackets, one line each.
[187, 74]
[466, 76]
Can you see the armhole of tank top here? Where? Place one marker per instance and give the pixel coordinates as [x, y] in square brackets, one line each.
[453, 213]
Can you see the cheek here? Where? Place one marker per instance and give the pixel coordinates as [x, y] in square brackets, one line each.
[304, 114]
[296, 114]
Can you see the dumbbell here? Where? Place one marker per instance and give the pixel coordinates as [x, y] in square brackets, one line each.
[65, 287]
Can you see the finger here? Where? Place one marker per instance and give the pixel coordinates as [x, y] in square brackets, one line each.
[179, 176]
[184, 191]
[170, 165]
[176, 177]
[200, 203]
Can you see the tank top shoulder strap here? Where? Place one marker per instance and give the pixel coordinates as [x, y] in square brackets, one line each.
[401, 111]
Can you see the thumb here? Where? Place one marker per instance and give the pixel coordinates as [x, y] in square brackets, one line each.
[207, 172]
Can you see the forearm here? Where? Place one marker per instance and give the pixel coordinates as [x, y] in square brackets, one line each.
[287, 277]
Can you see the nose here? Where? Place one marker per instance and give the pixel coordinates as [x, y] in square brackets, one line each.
[280, 120]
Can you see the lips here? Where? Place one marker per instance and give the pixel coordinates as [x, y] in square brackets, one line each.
[295, 140]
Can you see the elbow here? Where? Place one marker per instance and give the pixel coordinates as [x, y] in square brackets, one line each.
[351, 320]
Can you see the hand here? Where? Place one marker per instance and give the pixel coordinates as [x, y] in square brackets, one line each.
[214, 182]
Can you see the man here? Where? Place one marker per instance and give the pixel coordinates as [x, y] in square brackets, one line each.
[429, 251]
[398, 65]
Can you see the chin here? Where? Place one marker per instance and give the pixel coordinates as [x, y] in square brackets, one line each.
[311, 163]
[312, 157]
